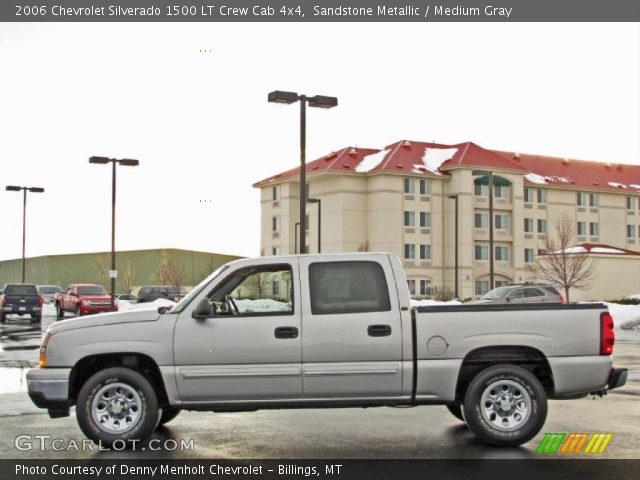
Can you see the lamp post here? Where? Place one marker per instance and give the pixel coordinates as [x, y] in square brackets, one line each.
[455, 197]
[319, 202]
[128, 163]
[15, 188]
[489, 174]
[318, 101]
[295, 233]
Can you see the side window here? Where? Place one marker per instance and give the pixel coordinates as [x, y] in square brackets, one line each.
[258, 290]
[518, 293]
[532, 292]
[348, 287]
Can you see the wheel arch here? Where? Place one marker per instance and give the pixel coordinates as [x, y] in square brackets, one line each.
[526, 357]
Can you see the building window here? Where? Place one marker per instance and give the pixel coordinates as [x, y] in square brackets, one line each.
[425, 252]
[581, 199]
[412, 287]
[482, 220]
[631, 231]
[502, 222]
[481, 190]
[542, 195]
[425, 287]
[528, 225]
[275, 224]
[542, 226]
[425, 219]
[501, 283]
[482, 252]
[409, 186]
[582, 229]
[528, 255]
[425, 187]
[501, 191]
[593, 200]
[482, 287]
[594, 229]
[528, 195]
[631, 203]
[409, 251]
[275, 193]
[275, 288]
[502, 253]
[275, 250]
[409, 219]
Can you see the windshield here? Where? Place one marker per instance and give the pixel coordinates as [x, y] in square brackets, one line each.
[95, 290]
[496, 293]
[45, 290]
[182, 304]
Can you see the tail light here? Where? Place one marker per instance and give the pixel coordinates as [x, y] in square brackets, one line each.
[562, 299]
[607, 336]
[4, 300]
[40, 300]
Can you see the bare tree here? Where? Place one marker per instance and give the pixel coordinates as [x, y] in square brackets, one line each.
[562, 265]
[129, 277]
[176, 273]
[100, 266]
[162, 273]
[364, 247]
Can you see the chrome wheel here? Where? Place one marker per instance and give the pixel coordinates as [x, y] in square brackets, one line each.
[116, 408]
[505, 405]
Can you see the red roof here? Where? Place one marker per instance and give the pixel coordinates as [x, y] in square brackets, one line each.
[411, 157]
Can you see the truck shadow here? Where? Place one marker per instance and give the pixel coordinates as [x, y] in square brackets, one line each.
[472, 447]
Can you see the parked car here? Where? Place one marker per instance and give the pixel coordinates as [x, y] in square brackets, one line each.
[21, 299]
[522, 293]
[331, 330]
[83, 299]
[48, 292]
[153, 292]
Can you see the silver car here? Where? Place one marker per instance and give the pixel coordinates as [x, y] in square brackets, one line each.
[522, 293]
[48, 292]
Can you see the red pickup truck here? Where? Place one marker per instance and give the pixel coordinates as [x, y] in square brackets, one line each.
[83, 299]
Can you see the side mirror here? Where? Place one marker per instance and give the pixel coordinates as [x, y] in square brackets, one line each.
[509, 299]
[203, 310]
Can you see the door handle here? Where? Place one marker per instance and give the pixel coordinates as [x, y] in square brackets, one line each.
[379, 330]
[286, 332]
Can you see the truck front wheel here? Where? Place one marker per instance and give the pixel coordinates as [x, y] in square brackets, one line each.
[117, 405]
[456, 411]
[168, 414]
[505, 405]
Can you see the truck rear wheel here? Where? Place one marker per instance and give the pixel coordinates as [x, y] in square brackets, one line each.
[117, 405]
[505, 405]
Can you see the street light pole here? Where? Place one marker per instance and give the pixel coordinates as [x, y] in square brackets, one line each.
[319, 202]
[489, 174]
[15, 188]
[319, 101]
[455, 197]
[129, 163]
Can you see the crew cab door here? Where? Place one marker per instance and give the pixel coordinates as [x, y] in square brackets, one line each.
[249, 346]
[351, 328]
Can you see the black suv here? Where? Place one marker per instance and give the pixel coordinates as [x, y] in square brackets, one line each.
[21, 299]
[154, 292]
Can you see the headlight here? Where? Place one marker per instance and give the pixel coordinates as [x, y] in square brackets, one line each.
[43, 350]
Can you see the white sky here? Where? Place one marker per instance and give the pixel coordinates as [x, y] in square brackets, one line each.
[202, 129]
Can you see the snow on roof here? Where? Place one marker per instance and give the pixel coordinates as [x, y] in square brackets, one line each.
[617, 185]
[434, 157]
[535, 178]
[595, 248]
[371, 161]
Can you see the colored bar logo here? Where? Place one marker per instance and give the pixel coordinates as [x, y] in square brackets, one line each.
[574, 443]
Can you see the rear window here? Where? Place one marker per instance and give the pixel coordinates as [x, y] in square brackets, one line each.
[348, 287]
[94, 290]
[21, 290]
[49, 290]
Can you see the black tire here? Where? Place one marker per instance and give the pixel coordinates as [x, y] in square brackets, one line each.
[130, 381]
[78, 312]
[510, 385]
[168, 414]
[456, 411]
[59, 312]
[3, 317]
[36, 318]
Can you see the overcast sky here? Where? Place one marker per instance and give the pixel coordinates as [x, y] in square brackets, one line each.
[203, 131]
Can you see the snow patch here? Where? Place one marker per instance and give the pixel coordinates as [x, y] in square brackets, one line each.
[617, 185]
[605, 250]
[535, 178]
[633, 185]
[434, 157]
[262, 305]
[125, 305]
[576, 249]
[370, 162]
[427, 303]
[556, 179]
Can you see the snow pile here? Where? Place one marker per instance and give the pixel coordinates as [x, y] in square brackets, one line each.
[434, 157]
[262, 305]
[633, 185]
[556, 179]
[605, 250]
[125, 305]
[371, 161]
[617, 185]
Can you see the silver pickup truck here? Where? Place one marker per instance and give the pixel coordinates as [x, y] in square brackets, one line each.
[317, 331]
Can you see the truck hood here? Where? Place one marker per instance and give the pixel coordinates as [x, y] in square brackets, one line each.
[131, 316]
